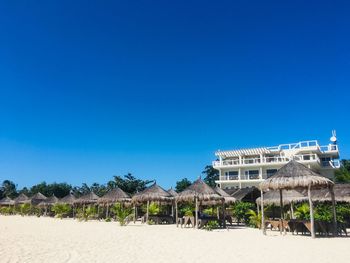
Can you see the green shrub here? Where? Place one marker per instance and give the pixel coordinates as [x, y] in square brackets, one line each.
[90, 212]
[25, 209]
[212, 224]
[302, 212]
[254, 218]
[122, 213]
[61, 210]
[187, 210]
[240, 209]
[6, 210]
[211, 211]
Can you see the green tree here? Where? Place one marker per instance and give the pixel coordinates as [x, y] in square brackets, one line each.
[343, 174]
[210, 175]
[240, 211]
[182, 185]
[8, 188]
[61, 210]
[130, 184]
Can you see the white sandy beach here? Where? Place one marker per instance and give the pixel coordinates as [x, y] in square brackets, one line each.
[32, 239]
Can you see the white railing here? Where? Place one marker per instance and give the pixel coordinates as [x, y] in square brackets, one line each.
[266, 160]
[290, 146]
[329, 148]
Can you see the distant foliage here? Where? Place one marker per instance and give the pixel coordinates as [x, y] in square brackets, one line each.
[182, 185]
[302, 212]
[129, 184]
[343, 174]
[210, 175]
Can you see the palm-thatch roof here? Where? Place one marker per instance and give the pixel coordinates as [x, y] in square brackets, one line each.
[37, 198]
[22, 199]
[173, 192]
[247, 194]
[90, 198]
[7, 201]
[68, 199]
[49, 201]
[295, 175]
[341, 192]
[273, 197]
[152, 193]
[199, 189]
[115, 195]
[228, 199]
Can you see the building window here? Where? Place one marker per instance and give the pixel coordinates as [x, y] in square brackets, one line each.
[252, 174]
[232, 175]
[270, 172]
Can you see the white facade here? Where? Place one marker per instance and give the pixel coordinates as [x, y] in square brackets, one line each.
[249, 167]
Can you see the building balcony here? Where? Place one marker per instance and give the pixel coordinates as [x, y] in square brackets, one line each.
[246, 162]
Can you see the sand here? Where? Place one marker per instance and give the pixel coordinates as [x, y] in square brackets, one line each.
[32, 239]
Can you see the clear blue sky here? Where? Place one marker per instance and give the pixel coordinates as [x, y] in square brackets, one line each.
[90, 89]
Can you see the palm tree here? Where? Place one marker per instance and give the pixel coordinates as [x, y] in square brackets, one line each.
[302, 212]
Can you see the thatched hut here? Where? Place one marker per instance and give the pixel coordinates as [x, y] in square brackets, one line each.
[227, 198]
[154, 193]
[22, 199]
[246, 194]
[6, 201]
[198, 192]
[115, 195]
[37, 198]
[295, 175]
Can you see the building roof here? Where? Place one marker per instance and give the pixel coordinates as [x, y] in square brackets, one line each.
[242, 152]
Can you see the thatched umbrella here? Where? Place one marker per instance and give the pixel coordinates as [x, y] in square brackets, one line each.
[289, 198]
[198, 192]
[37, 198]
[90, 198]
[113, 196]
[341, 194]
[68, 199]
[294, 175]
[174, 194]
[48, 202]
[22, 199]
[151, 194]
[7, 201]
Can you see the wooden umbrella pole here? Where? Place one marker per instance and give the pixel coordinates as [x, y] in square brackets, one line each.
[196, 212]
[292, 210]
[224, 214]
[311, 212]
[281, 206]
[107, 207]
[147, 212]
[176, 215]
[134, 214]
[262, 213]
[335, 227]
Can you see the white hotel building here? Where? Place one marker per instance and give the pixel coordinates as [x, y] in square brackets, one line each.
[249, 167]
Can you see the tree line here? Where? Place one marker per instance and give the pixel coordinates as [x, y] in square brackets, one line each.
[128, 183]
